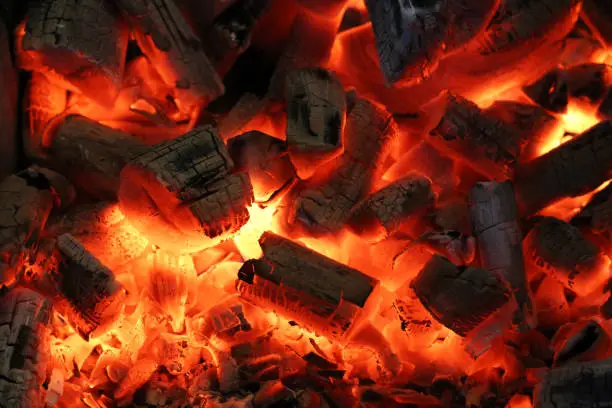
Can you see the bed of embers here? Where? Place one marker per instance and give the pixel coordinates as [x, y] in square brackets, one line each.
[305, 203]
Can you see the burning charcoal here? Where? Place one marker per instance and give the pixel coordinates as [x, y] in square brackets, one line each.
[584, 384]
[589, 81]
[55, 388]
[306, 286]
[482, 141]
[385, 210]
[87, 290]
[451, 215]
[25, 345]
[550, 91]
[493, 218]
[551, 303]
[412, 38]
[170, 44]
[458, 297]
[273, 393]
[230, 32]
[266, 160]
[8, 106]
[605, 108]
[246, 109]
[570, 170]
[582, 341]
[560, 250]
[324, 7]
[227, 320]
[180, 194]
[83, 41]
[596, 216]
[534, 123]
[458, 248]
[93, 154]
[316, 111]
[597, 14]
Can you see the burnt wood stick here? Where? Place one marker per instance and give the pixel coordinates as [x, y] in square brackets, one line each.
[8, 106]
[87, 292]
[493, 219]
[559, 249]
[596, 216]
[386, 209]
[172, 47]
[482, 141]
[570, 170]
[301, 284]
[92, 154]
[181, 194]
[550, 91]
[265, 159]
[459, 297]
[24, 341]
[84, 42]
[597, 14]
[411, 40]
[577, 384]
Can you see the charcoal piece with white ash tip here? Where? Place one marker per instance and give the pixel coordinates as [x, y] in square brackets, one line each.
[494, 223]
[182, 195]
[559, 249]
[459, 297]
[83, 41]
[388, 207]
[481, 140]
[570, 170]
[301, 284]
[24, 342]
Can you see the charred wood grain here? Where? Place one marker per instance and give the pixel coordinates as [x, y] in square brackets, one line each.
[181, 194]
[24, 341]
[92, 154]
[482, 141]
[562, 251]
[306, 286]
[8, 106]
[493, 219]
[174, 49]
[392, 205]
[578, 384]
[459, 297]
[265, 159]
[597, 14]
[85, 42]
[570, 170]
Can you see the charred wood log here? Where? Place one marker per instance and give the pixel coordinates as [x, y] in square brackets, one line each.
[550, 91]
[597, 14]
[316, 113]
[92, 154]
[484, 142]
[84, 42]
[585, 383]
[8, 106]
[171, 45]
[459, 297]
[180, 194]
[411, 39]
[572, 169]
[265, 159]
[561, 250]
[25, 346]
[306, 286]
[493, 219]
[385, 210]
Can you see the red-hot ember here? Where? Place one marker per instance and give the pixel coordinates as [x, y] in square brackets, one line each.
[309, 203]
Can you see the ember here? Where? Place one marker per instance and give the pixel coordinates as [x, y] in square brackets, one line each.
[306, 203]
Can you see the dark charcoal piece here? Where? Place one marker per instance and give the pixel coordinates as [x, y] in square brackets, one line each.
[597, 14]
[459, 297]
[589, 81]
[585, 384]
[170, 44]
[92, 154]
[83, 41]
[572, 169]
[560, 250]
[87, 290]
[24, 316]
[306, 286]
[411, 38]
[265, 159]
[458, 248]
[493, 218]
[596, 216]
[387, 208]
[8, 106]
[316, 111]
[550, 91]
[482, 141]
[181, 194]
[581, 341]
[246, 109]
[605, 108]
